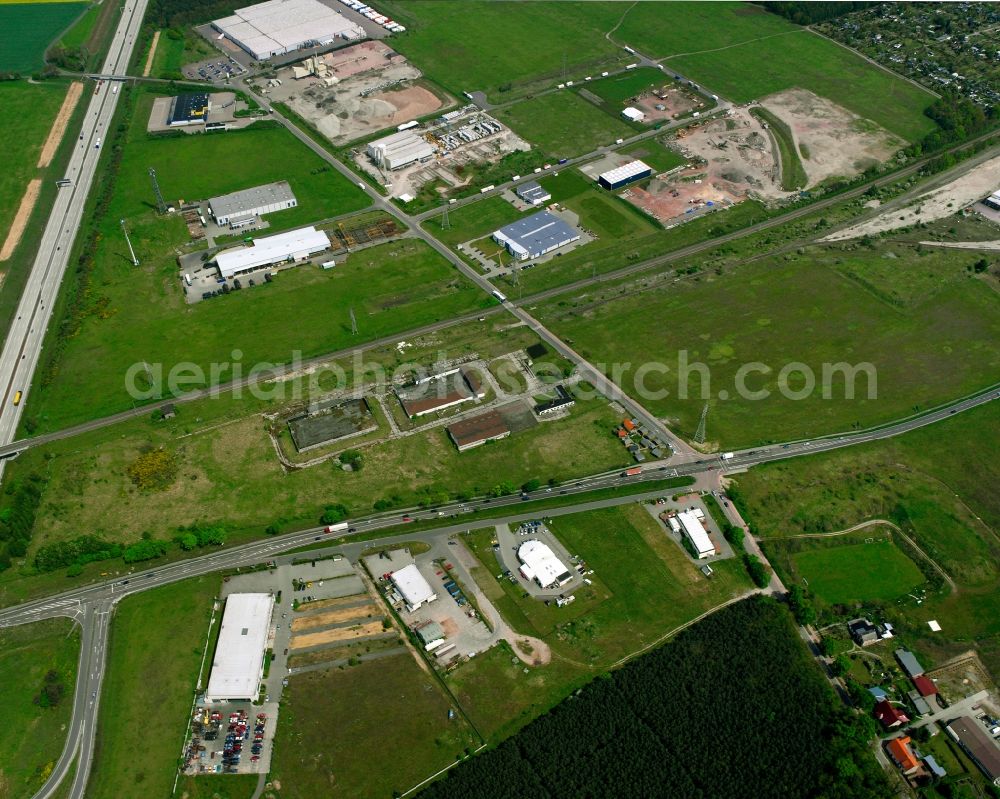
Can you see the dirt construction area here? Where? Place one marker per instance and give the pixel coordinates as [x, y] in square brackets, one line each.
[669, 102]
[832, 142]
[683, 194]
[938, 203]
[21, 219]
[58, 128]
[354, 92]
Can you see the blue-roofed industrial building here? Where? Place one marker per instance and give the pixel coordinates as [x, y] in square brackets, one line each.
[535, 235]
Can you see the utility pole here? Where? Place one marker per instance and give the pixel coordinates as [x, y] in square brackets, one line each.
[445, 223]
[135, 261]
[354, 324]
[699, 435]
[160, 205]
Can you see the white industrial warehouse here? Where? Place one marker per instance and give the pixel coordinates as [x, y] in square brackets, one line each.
[689, 523]
[281, 248]
[243, 207]
[539, 563]
[399, 150]
[277, 27]
[239, 655]
[412, 586]
[535, 235]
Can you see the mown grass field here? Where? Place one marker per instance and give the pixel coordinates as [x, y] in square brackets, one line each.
[505, 48]
[563, 124]
[331, 738]
[656, 154]
[150, 680]
[938, 483]
[30, 110]
[644, 586]
[858, 572]
[32, 737]
[27, 30]
[939, 345]
[744, 53]
[177, 48]
[83, 28]
[617, 89]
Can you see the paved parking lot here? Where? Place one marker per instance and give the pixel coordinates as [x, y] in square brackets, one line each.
[231, 738]
[508, 542]
[691, 502]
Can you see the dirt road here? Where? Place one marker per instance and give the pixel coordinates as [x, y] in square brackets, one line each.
[58, 128]
[21, 219]
[152, 54]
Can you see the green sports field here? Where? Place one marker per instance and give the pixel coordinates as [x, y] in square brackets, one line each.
[858, 572]
[27, 30]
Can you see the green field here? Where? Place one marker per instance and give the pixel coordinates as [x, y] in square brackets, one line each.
[938, 483]
[332, 731]
[656, 154]
[505, 48]
[940, 345]
[858, 572]
[83, 28]
[743, 53]
[27, 30]
[563, 124]
[31, 109]
[33, 737]
[176, 48]
[474, 220]
[644, 586]
[793, 174]
[617, 89]
[151, 676]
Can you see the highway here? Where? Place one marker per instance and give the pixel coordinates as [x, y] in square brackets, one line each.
[23, 346]
[92, 605]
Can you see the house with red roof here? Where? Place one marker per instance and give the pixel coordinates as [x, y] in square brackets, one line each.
[925, 685]
[899, 750]
[890, 715]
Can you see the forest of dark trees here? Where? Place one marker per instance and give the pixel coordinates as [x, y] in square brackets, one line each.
[178, 13]
[810, 13]
[733, 707]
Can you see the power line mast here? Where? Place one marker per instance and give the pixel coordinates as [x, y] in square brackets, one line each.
[135, 261]
[160, 205]
[354, 324]
[445, 223]
[699, 435]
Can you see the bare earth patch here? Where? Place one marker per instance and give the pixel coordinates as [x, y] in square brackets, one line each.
[938, 203]
[59, 126]
[832, 141]
[336, 634]
[331, 617]
[965, 245]
[152, 55]
[21, 219]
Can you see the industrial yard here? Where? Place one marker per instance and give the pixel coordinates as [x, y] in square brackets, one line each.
[354, 92]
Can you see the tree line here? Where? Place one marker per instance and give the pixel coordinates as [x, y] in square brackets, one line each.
[733, 707]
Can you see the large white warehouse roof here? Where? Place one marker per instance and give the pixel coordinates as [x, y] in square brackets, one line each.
[539, 563]
[294, 244]
[239, 655]
[695, 531]
[411, 584]
[282, 26]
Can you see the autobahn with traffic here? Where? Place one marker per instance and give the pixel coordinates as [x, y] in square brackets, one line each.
[23, 346]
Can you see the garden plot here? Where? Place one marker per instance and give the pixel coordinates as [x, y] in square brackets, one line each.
[831, 141]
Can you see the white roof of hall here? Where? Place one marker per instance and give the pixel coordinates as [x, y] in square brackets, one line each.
[239, 655]
[539, 562]
[412, 585]
[271, 250]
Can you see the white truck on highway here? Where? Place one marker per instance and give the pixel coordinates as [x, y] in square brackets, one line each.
[335, 528]
[728, 456]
